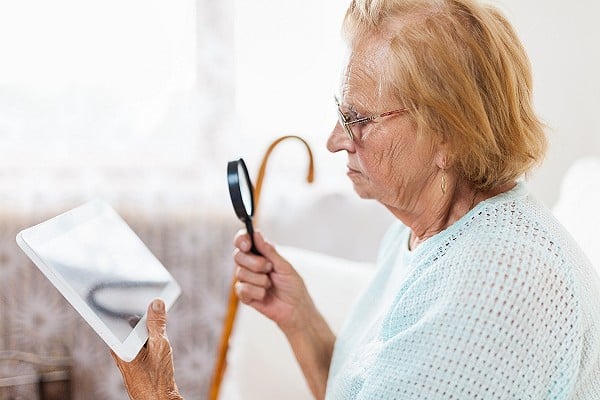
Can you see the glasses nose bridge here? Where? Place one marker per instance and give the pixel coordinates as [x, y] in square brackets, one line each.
[349, 131]
[339, 140]
[343, 129]
[344, 125]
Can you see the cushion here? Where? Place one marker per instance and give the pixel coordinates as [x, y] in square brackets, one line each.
[325, 220]
[260, 362]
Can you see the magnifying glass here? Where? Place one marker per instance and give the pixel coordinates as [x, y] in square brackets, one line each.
[242, 196]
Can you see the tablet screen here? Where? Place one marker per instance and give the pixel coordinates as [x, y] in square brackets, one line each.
[93, 257]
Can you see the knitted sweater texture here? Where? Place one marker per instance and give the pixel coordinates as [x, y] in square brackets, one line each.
[501, 305]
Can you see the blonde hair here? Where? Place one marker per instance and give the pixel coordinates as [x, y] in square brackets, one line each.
[461, 68]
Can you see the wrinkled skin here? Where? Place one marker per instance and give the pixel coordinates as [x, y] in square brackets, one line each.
[150, 375]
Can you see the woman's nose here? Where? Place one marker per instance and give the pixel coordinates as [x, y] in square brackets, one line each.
[338, 140]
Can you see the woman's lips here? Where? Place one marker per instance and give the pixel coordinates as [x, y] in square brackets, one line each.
[352, 171]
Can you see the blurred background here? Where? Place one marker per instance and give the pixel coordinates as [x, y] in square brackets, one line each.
[143, 103]
[148, 89]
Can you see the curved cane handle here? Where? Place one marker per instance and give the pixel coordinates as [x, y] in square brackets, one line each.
[233, 302]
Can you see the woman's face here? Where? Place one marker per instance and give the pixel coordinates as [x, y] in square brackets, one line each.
[387, 160]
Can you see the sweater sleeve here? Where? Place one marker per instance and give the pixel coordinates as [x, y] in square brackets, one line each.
[461, 328]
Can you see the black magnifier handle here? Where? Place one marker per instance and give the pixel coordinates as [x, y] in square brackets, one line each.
[250, 230]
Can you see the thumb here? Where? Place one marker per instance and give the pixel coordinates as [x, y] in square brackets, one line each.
[157, 319]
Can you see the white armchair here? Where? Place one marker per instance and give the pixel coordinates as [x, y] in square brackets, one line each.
[578, 206]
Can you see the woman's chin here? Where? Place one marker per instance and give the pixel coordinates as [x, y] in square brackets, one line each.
[360, 184]
[362, 192]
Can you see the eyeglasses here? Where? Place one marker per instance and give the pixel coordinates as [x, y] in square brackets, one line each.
[347, 124]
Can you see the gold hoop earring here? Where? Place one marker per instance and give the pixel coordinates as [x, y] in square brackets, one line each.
[443, 185]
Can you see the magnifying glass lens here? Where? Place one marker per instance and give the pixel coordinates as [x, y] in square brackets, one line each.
[245, 190]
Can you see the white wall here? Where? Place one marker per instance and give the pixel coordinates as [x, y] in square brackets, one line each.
[288, 63]
[287, 69]
[562, 40]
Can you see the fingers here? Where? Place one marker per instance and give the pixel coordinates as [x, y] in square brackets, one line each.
[252, 274]
[248, 293]
[266, 249]
[242, 240]
[157, 319]
[253, 278]
[252, 262]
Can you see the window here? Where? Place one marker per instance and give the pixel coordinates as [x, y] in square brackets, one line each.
[112, 83]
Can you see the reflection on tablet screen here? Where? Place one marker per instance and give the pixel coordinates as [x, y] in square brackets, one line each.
[110, 268]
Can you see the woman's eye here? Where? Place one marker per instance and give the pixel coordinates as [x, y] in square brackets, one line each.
[348, 115]
[351, 115]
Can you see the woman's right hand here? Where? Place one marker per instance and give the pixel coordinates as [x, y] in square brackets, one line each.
[270, 284]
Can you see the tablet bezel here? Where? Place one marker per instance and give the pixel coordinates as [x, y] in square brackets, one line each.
[50, 229]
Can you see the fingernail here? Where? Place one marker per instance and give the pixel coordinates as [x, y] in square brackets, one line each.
[158, 305]
[245, 245]
[269, 267]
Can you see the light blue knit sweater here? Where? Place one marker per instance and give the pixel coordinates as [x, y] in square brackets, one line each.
[501, 305]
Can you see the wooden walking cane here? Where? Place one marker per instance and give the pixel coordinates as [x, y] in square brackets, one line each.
[221, 359]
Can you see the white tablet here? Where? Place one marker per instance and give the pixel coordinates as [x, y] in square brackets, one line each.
[103, 269]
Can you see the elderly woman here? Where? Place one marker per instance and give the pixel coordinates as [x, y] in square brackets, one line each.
[480, 293]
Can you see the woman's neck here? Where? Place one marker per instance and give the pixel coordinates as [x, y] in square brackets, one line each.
[436, 211]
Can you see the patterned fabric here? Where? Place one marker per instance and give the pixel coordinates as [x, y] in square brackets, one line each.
[500, 305]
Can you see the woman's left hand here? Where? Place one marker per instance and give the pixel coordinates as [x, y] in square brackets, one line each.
[150, 376]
